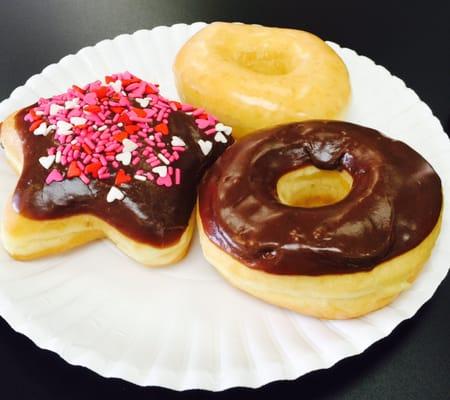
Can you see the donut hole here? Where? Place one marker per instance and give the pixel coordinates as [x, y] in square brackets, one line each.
[311, 187]
[262, 58]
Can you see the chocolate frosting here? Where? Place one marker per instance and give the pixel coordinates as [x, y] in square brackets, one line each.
[149, 213]
[393, 205]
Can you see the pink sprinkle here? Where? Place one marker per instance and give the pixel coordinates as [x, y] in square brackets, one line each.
[87, 159]
[161, 144]
[154, 163]
[89, 143]
[106, 175]
[136, 161]
[115, 164]
[103, 160]
[178, 148]
[210, 131]
[51, 151]
[90, 98]
[53, 176]
[177, 176]
[198, 111]
[102, 170]
[84, 179]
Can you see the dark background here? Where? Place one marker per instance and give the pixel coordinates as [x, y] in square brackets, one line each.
[411, 39]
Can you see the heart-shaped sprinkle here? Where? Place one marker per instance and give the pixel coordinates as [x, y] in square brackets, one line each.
[55, 109]
[41, 130]
[205, 146]
[73, 170]
[124, 158]
[143, 102]
[70, 104]
[53, 176]
[90, 98]
[160, 170]
[114, 194]
[224, 128]
[93, 168]
[164, 181]
[219, 137]
[64, 128]
[49, 129]
[177, 141]
[47, 161]
[121, 177]
[140, 178]
[162, 128]
[117, 85]
[202, 123]
[128, 145]
[78, 121]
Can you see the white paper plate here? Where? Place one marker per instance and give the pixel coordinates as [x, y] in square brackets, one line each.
[183, 326]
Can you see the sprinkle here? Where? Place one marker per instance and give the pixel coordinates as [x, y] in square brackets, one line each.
[129, 145]
[78, 121]
[58, 157]
[64, 128]
[177, 141]
[220, 137]
[121, 177]
[55, 109]
[140, 178]
[177, 176]
[223, 128]
[47, 161]
[74, 170]
[161, 170]
[125, 158]
[54, 176]
[163, 159]
[143, 102]
[41, 129]
[114, 194]
[205, 146]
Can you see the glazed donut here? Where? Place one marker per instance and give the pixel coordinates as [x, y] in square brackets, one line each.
[326, 218]
[112, 159]
[253, 77]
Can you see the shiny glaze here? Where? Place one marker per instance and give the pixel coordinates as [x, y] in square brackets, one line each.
[150, 214]
[393, 205]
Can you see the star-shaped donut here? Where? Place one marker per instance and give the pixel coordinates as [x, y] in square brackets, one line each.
[111, 159]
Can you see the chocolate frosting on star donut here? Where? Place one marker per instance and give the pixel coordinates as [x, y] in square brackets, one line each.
[150, 196]
[393, 204]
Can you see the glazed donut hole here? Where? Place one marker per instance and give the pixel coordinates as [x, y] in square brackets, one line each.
[265, 58]
[311, 187]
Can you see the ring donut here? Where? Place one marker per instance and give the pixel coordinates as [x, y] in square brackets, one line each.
[252, 77]
[326, 218]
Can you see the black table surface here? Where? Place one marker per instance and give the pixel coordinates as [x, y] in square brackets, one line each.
[409, 38]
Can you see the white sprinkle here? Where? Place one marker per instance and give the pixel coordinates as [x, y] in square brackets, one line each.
[49, 129]
[163, 159]
[125, 158]
[161, 170]
[39, 112]
[41, 130]
[224, 128]
[128, 145]
[117, 85]
[69, 104]
[102, 128]
[74, 141]
[151, 137]
[78, 121]
[55, 108]
[64, 128]
[177, 141]
[58, 157]
[143, 102]
[47, 161]
[114, 194]
[140, 178]
[120, 124]
[220, 137]
[205, 146]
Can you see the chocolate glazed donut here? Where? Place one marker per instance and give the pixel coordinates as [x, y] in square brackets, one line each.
[394, 202]
[393, 205]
